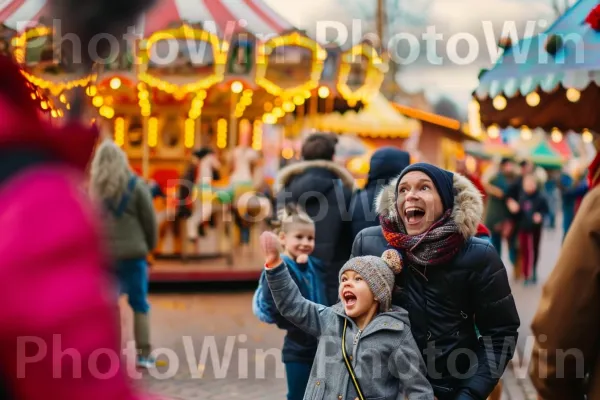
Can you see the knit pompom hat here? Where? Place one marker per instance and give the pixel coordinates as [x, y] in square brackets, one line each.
[379, 273]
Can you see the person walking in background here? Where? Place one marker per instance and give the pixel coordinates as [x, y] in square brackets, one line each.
[498, 218]
[461, 168]
[132, 233]
[552, 194]
[324, 190]
[297, 236]
[386, 164]
[533, 208]
[55, 279]
[514, 193]
[570, 192]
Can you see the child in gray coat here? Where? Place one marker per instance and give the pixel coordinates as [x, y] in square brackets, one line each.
[366, 349]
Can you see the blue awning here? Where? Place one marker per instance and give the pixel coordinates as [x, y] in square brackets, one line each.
[527, 65]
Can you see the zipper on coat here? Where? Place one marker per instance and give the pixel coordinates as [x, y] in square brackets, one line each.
[355, 346]
[357, 337]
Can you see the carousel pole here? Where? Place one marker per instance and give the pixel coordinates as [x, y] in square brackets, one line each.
[233, 133]
[145, 149]
[380, 18]
[300, 117]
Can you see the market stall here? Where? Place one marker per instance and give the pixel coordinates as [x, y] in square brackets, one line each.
[441, 139]
[201, 74]
[549, 81]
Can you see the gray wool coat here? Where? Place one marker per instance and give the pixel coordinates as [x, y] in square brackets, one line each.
[385, 357]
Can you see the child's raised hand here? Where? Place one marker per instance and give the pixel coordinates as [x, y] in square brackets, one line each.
[269, 243]
[302, 259]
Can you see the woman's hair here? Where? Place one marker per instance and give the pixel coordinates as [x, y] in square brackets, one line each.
[110, 171]
[290, 215]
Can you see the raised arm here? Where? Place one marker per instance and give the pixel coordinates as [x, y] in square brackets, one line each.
[308, 316]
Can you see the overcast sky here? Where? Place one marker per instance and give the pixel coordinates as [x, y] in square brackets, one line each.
[449, 17]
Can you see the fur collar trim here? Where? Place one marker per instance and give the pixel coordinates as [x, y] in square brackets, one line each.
[288, 173]
[468, 204]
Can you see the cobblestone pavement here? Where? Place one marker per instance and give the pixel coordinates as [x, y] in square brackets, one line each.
[216, 349]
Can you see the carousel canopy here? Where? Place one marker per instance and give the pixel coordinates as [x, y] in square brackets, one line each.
[549, 81]
[216, 16]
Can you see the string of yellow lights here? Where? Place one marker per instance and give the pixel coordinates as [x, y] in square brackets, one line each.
[264, 52]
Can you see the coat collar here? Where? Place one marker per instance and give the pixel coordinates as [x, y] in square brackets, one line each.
[468, 204]
[288, 173]
[394, 320]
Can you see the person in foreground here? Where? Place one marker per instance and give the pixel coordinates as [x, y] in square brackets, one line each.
[57, 280]
[375, 353]
[451, 280]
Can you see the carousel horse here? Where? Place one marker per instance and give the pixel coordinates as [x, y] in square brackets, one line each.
[203, 200]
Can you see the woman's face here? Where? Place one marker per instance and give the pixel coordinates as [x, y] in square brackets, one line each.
[419, 203]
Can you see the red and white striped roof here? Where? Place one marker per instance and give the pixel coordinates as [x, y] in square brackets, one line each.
[217, 16]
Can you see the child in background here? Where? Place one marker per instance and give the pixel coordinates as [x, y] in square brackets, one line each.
[533, 208]
[297, 236]
[376, 331]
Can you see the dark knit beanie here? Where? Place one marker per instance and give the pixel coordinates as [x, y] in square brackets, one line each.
[442, 179]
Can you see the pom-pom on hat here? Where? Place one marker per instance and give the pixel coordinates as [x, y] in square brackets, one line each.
[379, 273]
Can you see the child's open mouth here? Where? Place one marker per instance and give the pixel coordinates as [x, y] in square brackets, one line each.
[414, 215]
[349, 298]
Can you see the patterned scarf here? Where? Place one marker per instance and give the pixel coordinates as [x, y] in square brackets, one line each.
[438, 245]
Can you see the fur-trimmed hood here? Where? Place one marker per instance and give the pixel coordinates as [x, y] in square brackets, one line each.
[467, 211]
[287, 174]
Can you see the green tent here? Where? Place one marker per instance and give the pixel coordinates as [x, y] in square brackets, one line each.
[545, 156]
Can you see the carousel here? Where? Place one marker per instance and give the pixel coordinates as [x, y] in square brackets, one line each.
[547, 83]
[207, 87]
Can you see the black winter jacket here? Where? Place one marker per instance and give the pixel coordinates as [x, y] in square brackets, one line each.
[324, 190]
[444, 308]
[386, 164]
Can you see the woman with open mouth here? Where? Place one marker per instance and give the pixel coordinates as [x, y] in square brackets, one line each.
[454, 285]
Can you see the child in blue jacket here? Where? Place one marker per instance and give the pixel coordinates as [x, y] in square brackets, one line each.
[297, 236]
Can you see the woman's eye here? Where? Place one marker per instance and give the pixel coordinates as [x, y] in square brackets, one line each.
[403, 190]
[425, 187]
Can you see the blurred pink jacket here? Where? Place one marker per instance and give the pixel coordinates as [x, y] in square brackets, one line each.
[59, 324]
